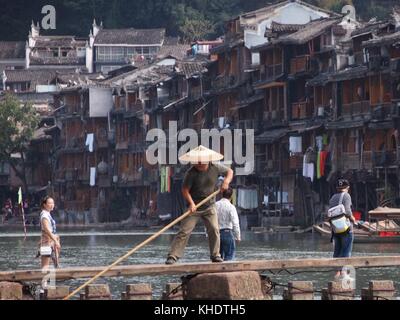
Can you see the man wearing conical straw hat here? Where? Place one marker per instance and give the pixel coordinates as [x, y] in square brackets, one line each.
[199, 183]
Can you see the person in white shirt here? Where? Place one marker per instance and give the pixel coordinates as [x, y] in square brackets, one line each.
[228, 221]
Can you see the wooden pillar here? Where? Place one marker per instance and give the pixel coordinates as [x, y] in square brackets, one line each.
[97, 292]
[379, 290]
[139, 291]
[299, 290]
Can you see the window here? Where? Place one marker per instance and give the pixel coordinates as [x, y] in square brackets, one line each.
[108, 54]
[350, 144]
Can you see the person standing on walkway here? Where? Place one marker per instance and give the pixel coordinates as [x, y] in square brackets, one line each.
[341, 219]
[49, 242]
[199, 183]
[229, 228]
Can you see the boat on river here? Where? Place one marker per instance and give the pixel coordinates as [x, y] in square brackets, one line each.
[382, 227]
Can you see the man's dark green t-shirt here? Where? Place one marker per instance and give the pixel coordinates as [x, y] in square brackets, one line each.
[202, 184]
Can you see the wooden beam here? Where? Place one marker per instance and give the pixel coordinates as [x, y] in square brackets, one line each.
[205, 267]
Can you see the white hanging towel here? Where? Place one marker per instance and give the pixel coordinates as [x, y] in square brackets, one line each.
[92, 177]
[247, 198]
[295, 145]
[90, 141]
[308, 169]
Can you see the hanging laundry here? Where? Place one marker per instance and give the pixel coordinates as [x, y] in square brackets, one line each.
[308, 169]
[325, 139]
[90, 141]
[247, 198]
[323, 160]
[319, 143]
[168, 175]
[295, 144]
[162, 179]
[234, 197]
[319, 165]
[310, 155]
[92, 177]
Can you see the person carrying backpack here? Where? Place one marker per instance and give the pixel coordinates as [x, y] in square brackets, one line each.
[341, 219]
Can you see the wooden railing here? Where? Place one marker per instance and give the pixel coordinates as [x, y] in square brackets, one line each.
[302, 110]
[270, 72]
[384, 158]
[349, 161]
[356, 108]
[300, 64]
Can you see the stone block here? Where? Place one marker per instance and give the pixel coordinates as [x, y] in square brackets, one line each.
[10, 291]
[97, 292]
[225, 286]
[139, 291]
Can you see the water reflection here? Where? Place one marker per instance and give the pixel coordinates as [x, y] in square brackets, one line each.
[96, 249]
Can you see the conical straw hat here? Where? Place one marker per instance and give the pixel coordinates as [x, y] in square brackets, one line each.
[201, 154]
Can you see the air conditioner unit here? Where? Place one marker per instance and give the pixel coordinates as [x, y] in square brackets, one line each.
[321, 111]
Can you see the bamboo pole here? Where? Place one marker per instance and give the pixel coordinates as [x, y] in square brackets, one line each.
[151, 238]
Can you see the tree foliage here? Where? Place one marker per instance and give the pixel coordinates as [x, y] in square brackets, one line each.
[186, 18]
[18, 123]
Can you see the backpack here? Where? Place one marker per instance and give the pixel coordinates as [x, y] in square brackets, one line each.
[337, 218]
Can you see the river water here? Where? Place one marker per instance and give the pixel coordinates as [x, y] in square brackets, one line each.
[102, 249]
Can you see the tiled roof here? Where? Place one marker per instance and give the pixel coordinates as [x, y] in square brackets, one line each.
[178, 51]
[388, 39]
[309, 32]
[12, 50]
[189, 69]
[148, 75]
[36, 76]
[130, 36]
[58, 41]
[371, 27]
[280, 27]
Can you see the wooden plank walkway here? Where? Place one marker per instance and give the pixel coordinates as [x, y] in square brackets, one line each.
[205, 267]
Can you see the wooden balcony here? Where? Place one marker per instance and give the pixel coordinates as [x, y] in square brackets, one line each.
[349, 161]
[301, 110]
[356, 108]
[273, 117]
[384, 158]
[270, 72]
[246, 124]
[300, 64]
[223, 82]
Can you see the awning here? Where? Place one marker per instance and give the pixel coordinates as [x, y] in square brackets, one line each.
[270, 85]
[174, 103]
[271, 136]
[310, 128]
[380, 125]
[345, 124]
[246, 102]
